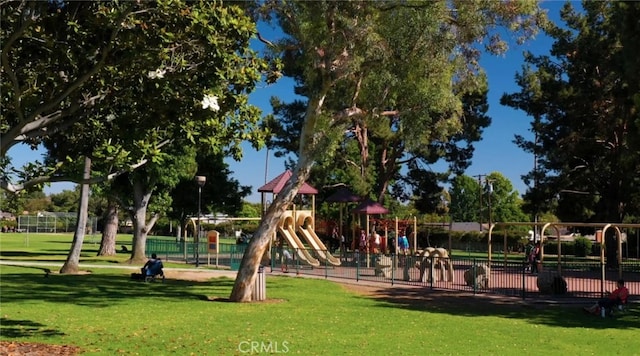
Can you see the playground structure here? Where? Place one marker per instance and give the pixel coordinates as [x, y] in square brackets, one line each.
[434, 265]
[601, 230]
[301, 222]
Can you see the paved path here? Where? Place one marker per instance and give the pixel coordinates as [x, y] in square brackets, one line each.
[58, 265]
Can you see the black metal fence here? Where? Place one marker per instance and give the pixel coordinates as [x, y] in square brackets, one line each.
[567, 280]
[553, 280]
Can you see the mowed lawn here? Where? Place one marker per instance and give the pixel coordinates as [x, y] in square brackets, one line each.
[105, 313]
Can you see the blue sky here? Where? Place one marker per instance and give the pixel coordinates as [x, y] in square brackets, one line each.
[496, 151]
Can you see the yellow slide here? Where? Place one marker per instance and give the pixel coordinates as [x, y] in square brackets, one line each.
[295, 243]
[316, 243]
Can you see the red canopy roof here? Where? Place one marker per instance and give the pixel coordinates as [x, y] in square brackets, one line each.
[275, 186]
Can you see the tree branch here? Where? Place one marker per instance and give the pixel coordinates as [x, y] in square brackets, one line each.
[7, 67]
[265, 41]
[14, 188]
[50, 105]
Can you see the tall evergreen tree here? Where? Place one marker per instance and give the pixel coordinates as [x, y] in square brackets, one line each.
[583, 101]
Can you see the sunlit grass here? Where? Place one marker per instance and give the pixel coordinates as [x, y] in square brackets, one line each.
[105, 313]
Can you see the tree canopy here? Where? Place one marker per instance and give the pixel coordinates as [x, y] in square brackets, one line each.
[584, 101]
[169, 69]
[354, 61]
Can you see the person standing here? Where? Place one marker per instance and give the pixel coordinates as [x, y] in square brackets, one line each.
[403, 247]
[363, 241]
[335, 239]
[391, 242]
[535, 258]
[375, 242]
[403, 243]
[528, 249]
[285, 256]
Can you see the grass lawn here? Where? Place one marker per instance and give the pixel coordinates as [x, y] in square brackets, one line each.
[104, 313]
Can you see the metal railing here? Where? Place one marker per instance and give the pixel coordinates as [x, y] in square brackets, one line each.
[477, 275]
[180, 250]
[569, 279]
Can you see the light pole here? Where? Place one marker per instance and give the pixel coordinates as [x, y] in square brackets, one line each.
[200, 180]
[490, 190]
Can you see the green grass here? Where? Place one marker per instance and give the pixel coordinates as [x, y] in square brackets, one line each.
[105, 313]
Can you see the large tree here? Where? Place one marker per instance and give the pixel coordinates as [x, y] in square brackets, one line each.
[120, 65]
[165, 73]
[354, 63]
[145, 193]
[465, 193]
[408, 115]
[52, 55]
[583, 99]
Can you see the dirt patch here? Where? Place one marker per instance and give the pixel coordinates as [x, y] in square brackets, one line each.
[197, 276]
[11, 348]
[266, 301]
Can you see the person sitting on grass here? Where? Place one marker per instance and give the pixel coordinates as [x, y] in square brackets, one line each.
[613, 299]
[153, 267]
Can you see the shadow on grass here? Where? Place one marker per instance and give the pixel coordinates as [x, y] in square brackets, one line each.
[468, 305]
[102, 290]
[24, 328]
[30, 255]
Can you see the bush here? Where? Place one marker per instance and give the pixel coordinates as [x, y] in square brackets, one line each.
[582, 246]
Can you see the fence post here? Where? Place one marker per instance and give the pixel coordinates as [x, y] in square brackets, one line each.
[405, 269]
[357, 265]
[431, 271]
[524, 282]
[394, 261]
[475, 276]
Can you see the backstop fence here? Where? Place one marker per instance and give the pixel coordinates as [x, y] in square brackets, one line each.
[53, 222]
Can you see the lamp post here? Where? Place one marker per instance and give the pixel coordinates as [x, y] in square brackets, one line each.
[490, 191]
[200, 180]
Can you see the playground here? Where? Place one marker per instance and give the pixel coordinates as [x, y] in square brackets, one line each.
[386, 250]
[373, 252]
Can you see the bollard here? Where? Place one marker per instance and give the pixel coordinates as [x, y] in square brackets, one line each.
[260, 286]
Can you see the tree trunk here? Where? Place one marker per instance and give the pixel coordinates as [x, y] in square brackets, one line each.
[108, 242]
[139, 219]
[257, 246]
[71, 265]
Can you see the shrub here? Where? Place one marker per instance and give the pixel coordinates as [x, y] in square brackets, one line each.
[582, 246]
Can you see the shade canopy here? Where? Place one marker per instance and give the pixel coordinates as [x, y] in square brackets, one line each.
[370, 207]
[275, 186]
[343, 195]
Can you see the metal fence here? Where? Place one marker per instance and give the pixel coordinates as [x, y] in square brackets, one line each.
[184, 250]
[53, 222]
[554, 280]
[567, 280]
